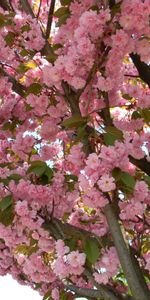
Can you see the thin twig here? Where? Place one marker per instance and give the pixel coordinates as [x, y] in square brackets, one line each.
[17, 87]
[27, 8]
[50, 18]
[38, 13]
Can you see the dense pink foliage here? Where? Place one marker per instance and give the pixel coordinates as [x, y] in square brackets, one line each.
[74, 135]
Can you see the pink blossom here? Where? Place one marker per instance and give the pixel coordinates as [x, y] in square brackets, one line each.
[55, 294]
[22, 208]
[76, 259]
[61, 248]
[106, 183]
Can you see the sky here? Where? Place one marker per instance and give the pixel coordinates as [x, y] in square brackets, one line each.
[10, 289]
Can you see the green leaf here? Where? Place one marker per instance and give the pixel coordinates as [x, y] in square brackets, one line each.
[43, 180]
[91, 249]
[9, 126]
[126, 96]
[128, 180]
[5, 181]
[24, 52]
[37, 167]
[71, 177]
[145, 113]
[49, 173]
[109, 139]
[56, 47]
[82, 133]
[4, 165]
[62, 14]
[147, 179]
[28, 107]
[15, 177]
[35, 88]
[145, 247]
[52, 57]
[74, 122]
[6, 202]
[7, 216]
[23, 277]
[71, 180]
[24, 67]
[72, 243]
[26, 250]
[116, 173]
[62, 20]
[46, 176]
[9, 38]
[61, 11]
[38, 286]
[116, 8]
[25, 28]
[5, 20]
[136, 115]
[2, 20]
[112, 134]
[65, 2]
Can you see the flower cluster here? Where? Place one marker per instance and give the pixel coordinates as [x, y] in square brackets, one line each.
[74, 142]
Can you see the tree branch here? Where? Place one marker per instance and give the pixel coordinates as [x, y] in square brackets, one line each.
[105, 112]
[103, 293]
[39, 9]
[27, 8]
[5, 5]
[61, 230]
[69, 230]
[71, 98]
[143, 68]
[46, 50]
[139, 291]
[142, 164]
[50, 18]
[16, 86]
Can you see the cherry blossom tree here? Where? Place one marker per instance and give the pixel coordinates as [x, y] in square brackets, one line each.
[74, 147]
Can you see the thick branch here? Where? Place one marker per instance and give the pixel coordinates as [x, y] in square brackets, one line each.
[142, 164]
[143, 68]
[138, 290]
[71, 98]
[50, 18]
[103, 293]
[69, 230]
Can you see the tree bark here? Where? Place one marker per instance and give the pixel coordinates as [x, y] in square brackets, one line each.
[139, 290]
